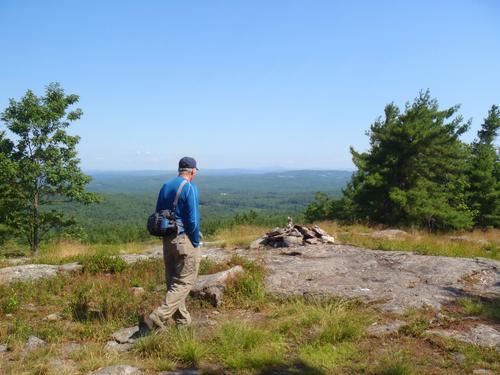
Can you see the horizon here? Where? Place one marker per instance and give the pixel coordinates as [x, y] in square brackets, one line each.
[262, 170]
[248, 84]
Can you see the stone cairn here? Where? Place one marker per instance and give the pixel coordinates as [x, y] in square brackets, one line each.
[293, 235]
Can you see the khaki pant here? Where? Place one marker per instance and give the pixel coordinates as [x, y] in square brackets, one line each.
[182, 262]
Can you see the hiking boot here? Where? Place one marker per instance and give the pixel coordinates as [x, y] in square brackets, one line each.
[151, 322]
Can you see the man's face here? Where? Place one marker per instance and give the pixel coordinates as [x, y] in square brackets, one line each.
[193, 173]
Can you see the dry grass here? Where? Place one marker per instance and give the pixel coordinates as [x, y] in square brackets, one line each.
[239, 235]
[477, 243]
[67, 250]
[268, 336]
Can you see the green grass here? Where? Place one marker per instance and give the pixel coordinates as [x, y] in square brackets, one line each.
[477, 243]
[103, 262]
[395, 363]
[328, 357]
[240, 347]
[417, 322]
[246, 289]
[485, 308]
[174, 346]
[208, 267]
[255, 333]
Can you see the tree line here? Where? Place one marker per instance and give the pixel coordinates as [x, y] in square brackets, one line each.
[43, 187]
[418, 173]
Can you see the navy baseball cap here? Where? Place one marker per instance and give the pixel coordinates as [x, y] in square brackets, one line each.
[187, 162]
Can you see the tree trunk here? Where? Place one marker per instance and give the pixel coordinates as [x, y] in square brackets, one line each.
[35, 241]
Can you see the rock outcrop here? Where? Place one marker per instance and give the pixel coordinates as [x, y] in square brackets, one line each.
[32, 272]
[117, 370]
[212, 287]
[397, 280]
[481, 334]
[33, 344]
[293, 235]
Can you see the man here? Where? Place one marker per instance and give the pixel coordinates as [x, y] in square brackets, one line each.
[181, 252]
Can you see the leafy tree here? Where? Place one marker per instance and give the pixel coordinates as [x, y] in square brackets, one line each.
[319, 208]
[413, 173]
[40, 164]
[484, 173]
[7, 198]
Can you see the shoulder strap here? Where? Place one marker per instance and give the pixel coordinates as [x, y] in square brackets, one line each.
[179, 190]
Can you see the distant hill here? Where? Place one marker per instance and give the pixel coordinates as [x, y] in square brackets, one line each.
[130, 197]
[231, 181]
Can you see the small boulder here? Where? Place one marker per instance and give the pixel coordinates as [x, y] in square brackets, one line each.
[53, 317]
[113, 346]
[126, 335]
[117, 370]
[212, 287]
[482, 335]
[34, 343]
[258, 243]
[327, 239]
[3, 348]
[70, 267]
[385, 329]
[65, 366]
[70, 347]
[291, 241]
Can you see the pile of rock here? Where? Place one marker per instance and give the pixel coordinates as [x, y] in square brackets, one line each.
[293, 235]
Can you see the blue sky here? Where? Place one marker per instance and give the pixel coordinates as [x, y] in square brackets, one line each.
[246, 83]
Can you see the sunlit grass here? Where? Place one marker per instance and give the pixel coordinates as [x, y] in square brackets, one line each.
[477, 243]
[239, 235]
[241, 346]
[66, 250]
[486, 308]
[174, 345]
[254, 333]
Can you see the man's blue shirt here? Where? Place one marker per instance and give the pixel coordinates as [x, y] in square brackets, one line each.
[187, 213]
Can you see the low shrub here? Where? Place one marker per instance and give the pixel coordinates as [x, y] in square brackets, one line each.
[103, 262]
[417, 322]
[102, 300]
[9, 301]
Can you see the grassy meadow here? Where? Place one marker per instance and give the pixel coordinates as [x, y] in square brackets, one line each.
[252, 333]
[477, 243]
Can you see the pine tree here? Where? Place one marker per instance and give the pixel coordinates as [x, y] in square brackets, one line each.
[484, 173]
[413, 173]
